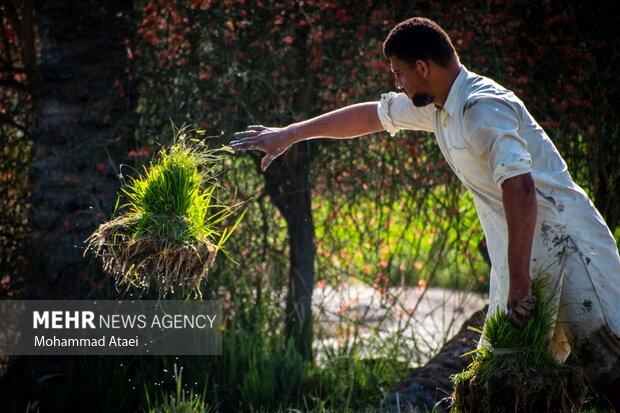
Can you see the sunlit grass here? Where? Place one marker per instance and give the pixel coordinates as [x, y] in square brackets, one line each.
[170, 223]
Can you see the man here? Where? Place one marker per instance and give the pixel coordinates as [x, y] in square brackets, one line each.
[535, 218]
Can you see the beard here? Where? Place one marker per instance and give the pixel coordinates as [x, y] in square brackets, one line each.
[422, 99]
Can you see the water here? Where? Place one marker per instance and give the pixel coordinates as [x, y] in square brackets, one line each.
[421, 319]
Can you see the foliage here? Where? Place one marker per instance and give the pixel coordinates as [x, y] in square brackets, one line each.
[179, 402]
[226, 69]
[258, 371]
[18, 50]
[168, 231]
[228, 59]
[515, 368]
[231, 63]
[401, 229]
[353, 382]
[387, 211]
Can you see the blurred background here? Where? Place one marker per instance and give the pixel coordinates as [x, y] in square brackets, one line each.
[357, 259]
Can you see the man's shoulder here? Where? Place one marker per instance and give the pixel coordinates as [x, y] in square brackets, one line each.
[480, 88]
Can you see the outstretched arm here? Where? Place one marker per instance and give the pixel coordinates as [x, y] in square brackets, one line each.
[349, 122]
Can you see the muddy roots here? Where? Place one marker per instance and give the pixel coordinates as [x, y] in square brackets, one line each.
[563, 390]
[145, 261]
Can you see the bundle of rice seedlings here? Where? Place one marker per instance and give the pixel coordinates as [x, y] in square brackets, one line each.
[515, 371]
[168, 225]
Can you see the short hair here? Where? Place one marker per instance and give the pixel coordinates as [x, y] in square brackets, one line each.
[419, 38]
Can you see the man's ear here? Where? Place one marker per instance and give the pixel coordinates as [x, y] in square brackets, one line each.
[422, 68]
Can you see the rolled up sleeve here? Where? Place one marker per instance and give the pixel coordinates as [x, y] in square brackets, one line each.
[492, 129]
[397, 112]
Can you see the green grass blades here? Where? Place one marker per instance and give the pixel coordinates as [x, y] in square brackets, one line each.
[181, 401]
[514, 371]
[169, 200]
[170, 222]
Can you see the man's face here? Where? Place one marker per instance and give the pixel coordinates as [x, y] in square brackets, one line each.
[407, 77]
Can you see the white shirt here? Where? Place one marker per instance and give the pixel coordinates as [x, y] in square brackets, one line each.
[487, 136]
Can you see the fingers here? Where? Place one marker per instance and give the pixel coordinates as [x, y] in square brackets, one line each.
[252, 130]
[266, 161]
[512, 318]
[246, 134]
[521, 310]
[246, 142]
[524, 307]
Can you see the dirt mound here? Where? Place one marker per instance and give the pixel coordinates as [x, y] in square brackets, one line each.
[527, 390]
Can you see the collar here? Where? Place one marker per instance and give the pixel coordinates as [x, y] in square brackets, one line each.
[452, 101]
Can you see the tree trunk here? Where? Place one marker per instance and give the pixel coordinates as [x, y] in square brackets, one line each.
[430, 384]
[288, 185]
[81, 137]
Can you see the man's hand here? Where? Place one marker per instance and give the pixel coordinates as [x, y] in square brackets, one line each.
[273, 141]
[520, 300]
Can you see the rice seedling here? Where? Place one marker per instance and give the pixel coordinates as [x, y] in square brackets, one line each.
[169, 223]
[181, 401]
[515, 371]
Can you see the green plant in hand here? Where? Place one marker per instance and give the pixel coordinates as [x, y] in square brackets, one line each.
[514, 370]
[169, 228]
